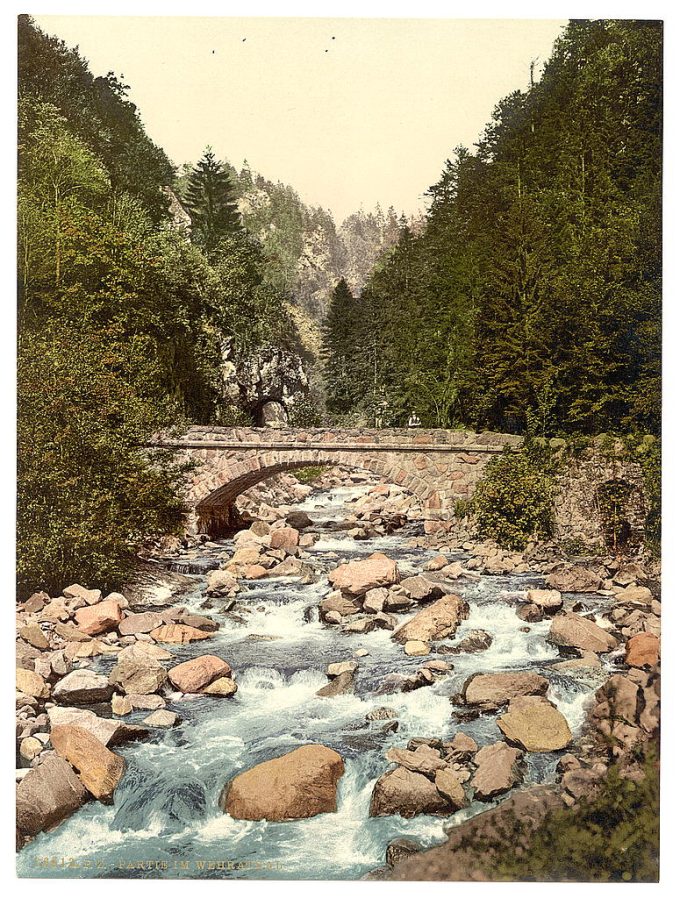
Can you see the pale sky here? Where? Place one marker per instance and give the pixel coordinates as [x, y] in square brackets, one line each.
[349, 112]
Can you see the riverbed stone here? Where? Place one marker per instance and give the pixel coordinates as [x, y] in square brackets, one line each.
[221, 583]
[573, 631]
[374, 600]
[162, 719]
[548, 600]
[178, 634]
[499, 768]
[82, 687]
[286, 538]
[534, 724]
[33, 635]
[424, 759]
[89, 596]
[194, 675]
[299, 784]
[138, 675]
[437, 621]
[447, 784]
[140, 623]
[492, 690]
[640, 596]
[342, 684]
[99, 618]
[355, 578]
[104, 729]
[422, 590]
[70, 633]
[573, 578]
[222, 687]
[48, 794]
[408, 794]
[340, 667]
[30, 683]
[415, 647]
[338, 604]
[98, 768]
[642, 650]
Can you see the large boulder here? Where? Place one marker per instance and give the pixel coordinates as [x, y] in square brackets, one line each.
[104, 729]
[437, 621]
[194, 675]
[573, 578]
[408, 794]
[420, 589]
[355, 578]
[548, 600]
[302, 783]
[138, 675]
[499, 768]
[178, 634]
[642, 650]
[99, 769]
[640, 596]
[286, 538]
[48, 794]
[298, 520]
[140, 623]
[221, 583]
[99, 618]
[491, 690]
[424, 759]
[82, 687]
[30, 683]
[534, 724]
[573, 631]
[337, 604]
[342, 684]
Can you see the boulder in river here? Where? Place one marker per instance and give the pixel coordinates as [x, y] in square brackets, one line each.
[573, 578]
[423, 759]
[104, 729]
[222, 687]
[473, 641]
[31, 683]
[138, 675]
[534, 724]
[82, 687]
[437, 621]
[286, 538]
[99, 618]
[221, 583]
[499, 768]
[408, 794]
[573, 631]
[420, 589]
[642, 650]
[298, 519]
[341, 684]
[140, 623]
[99, 769]
[640, 596]
[548, 600]
[48, 794]
[336, 603]
[178, 634]
[299, 784]
[194, 675]
[355, 578]
[491, 690]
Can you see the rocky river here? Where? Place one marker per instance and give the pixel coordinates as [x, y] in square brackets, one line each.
[165, 819]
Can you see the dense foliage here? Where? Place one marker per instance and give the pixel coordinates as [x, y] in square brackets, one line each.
[123, 322]
[613, 837]
[513, 502]
[532, 298]
[210, 200]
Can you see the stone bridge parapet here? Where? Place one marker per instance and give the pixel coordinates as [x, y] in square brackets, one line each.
[438, 466]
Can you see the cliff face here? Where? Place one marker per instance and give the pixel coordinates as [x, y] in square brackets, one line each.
[266, 384]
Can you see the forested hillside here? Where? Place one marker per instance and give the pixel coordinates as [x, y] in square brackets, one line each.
[531, 301]
[122, 319]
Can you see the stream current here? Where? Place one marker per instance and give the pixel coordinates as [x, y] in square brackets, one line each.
[165, 820]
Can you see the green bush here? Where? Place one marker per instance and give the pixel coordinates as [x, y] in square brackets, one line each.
[87, 495]
[310, 474]
[513, 500]
[612, 838]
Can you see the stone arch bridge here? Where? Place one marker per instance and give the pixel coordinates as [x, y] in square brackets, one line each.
[438, 466]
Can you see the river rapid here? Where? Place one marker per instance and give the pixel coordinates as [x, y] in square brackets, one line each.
[165, 821]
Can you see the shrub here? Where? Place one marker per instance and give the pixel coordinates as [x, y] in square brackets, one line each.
[513, 500]
[614, 837]
[309, 475]
[86, 495]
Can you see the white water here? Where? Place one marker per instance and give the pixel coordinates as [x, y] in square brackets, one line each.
[165, 820]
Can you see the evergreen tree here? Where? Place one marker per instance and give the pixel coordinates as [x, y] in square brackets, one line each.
[211, 202]
[339, 353]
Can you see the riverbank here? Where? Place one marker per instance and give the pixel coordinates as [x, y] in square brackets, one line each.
[279, 609]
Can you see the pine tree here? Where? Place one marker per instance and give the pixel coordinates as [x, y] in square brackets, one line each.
[340, 349]
[210, 199]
